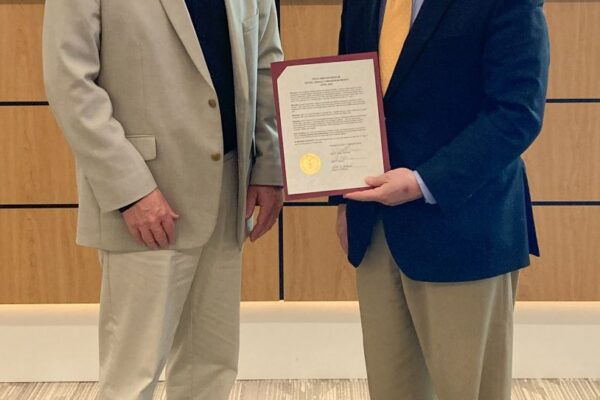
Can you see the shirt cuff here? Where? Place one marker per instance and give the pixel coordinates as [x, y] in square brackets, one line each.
[427, 195]
[128, 206]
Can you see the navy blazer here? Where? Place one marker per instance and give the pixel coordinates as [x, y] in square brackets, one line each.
[466, 99]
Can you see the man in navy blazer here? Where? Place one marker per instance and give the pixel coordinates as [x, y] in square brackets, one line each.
[440, 238]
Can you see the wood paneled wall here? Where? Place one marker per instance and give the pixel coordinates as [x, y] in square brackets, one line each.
[574, 32]
[563, 165]
[564, 162]
[39, 262]
[20, 51]
[36, 166]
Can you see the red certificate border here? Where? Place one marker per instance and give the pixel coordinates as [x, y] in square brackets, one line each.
[277, 69]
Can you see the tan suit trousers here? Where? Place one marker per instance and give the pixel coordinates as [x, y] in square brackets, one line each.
[177, 305]
[424, 341]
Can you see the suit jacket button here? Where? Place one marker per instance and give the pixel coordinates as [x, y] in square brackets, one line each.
[216, 157]
[212, 103]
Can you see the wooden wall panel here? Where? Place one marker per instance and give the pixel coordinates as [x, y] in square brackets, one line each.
[315, 265]
[39, 262]
[310, 28]
[36, 166]
[569, 269]
[21, 50]
[261, 268]
[575, 52]
[564, 163]
[575, 55]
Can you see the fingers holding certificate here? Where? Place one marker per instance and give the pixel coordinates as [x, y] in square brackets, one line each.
[330, 122]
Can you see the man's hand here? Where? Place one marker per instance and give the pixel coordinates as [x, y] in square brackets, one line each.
[151, 221]
[393, 188]
[342, 227]
[270, 201]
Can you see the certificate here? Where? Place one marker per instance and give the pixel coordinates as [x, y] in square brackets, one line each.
[330, 123]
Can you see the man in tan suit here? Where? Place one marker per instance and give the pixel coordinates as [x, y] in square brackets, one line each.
[168, 107]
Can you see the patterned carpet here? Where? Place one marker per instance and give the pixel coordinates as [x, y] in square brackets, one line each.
[523, 389]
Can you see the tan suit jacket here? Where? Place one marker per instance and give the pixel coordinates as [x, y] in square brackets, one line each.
[131, 90]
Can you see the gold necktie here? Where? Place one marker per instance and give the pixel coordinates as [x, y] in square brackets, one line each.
[396, 24]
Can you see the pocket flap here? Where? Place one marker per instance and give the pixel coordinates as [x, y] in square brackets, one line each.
[145, 145]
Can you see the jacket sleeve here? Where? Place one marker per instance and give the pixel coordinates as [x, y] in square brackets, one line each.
[515, 68]
[267, 165]
[114, 169]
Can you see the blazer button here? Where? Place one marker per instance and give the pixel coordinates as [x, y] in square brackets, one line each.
[212, 103]
[216, 157]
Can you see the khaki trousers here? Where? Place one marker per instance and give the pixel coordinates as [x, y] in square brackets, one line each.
[424, 341]
[177, 305]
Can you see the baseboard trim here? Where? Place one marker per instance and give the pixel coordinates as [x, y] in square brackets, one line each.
[289, 340]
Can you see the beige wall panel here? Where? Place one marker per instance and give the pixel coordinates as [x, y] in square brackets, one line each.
[310, 28]
[36, 166]
[564, 162]
[311, 200]
[573, 27]
[261, 268]
[316, 269]
[569, 269]
[39, 261]
[575, 52]
[315, 266]
[21, 50]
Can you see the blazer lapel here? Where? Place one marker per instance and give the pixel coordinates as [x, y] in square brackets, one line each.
[240, 75]
[236, 38]
[180, 19]
[423, 28]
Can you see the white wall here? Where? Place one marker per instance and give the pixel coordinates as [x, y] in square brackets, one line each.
[286, 340]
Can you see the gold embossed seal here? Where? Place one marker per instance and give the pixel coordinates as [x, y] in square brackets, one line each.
[310, 164]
